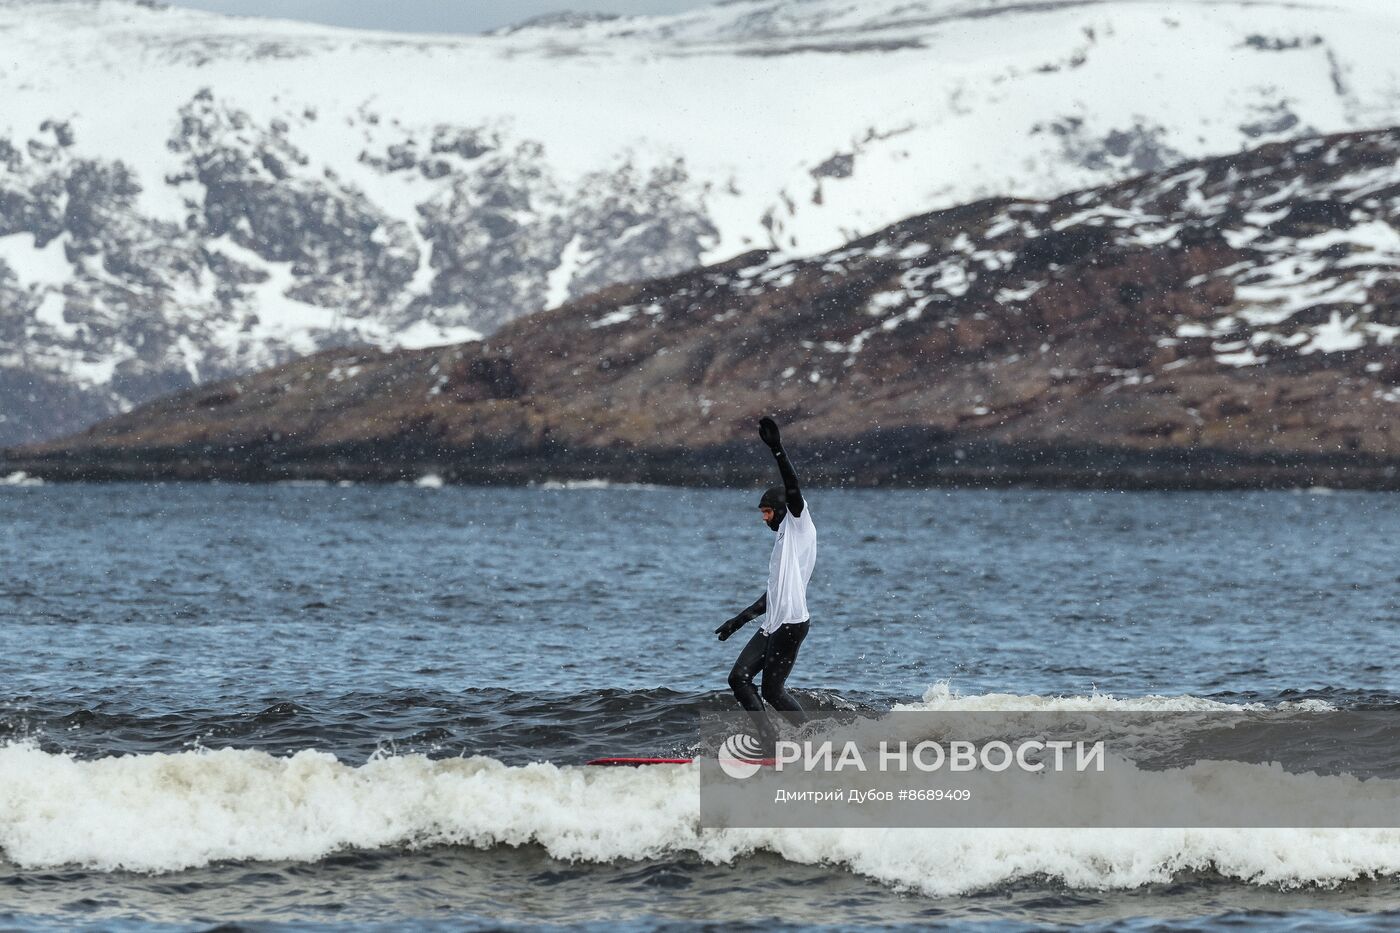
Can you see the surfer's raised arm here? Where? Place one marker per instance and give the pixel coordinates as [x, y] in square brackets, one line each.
[759, 607]
[768, 431]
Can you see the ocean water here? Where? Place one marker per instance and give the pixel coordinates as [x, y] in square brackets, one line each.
[312, 706]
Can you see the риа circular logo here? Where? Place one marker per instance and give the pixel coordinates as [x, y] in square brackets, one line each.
[740, 756]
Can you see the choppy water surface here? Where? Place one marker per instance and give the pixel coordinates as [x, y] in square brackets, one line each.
[405, 654]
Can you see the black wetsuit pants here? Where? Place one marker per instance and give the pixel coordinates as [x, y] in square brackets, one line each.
[774, 655]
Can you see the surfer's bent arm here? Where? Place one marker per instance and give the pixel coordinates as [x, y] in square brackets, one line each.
[759, 607]
[768, 431]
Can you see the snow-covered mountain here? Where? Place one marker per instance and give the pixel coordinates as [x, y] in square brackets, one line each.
[1229, 322]
[185, 196]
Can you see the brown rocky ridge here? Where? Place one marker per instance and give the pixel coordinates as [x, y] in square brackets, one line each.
[1224, 323]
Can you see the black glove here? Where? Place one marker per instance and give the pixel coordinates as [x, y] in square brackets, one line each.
[730, 627]
[768, 432]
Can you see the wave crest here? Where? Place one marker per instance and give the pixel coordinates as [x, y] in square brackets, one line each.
[168, 812]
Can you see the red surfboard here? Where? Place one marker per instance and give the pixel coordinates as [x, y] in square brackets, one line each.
[638, 762]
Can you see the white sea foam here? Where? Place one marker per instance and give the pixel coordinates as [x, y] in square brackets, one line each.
[594, 484]
[168, 812]
[941, 697]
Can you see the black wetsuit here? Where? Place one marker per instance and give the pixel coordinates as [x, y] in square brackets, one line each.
[772, 654]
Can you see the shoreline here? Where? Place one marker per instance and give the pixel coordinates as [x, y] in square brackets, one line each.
[869, 463]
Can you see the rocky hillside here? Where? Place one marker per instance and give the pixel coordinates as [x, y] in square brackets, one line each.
[1229, 322]
[185, 197]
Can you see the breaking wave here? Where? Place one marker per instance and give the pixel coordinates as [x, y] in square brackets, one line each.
[165, 812]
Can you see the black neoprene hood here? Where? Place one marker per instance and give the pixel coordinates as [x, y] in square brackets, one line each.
[775, 499]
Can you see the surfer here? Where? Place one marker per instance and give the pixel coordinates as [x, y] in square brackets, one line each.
[773, 648]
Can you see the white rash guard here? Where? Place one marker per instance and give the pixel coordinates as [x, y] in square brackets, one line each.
[789, 569]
